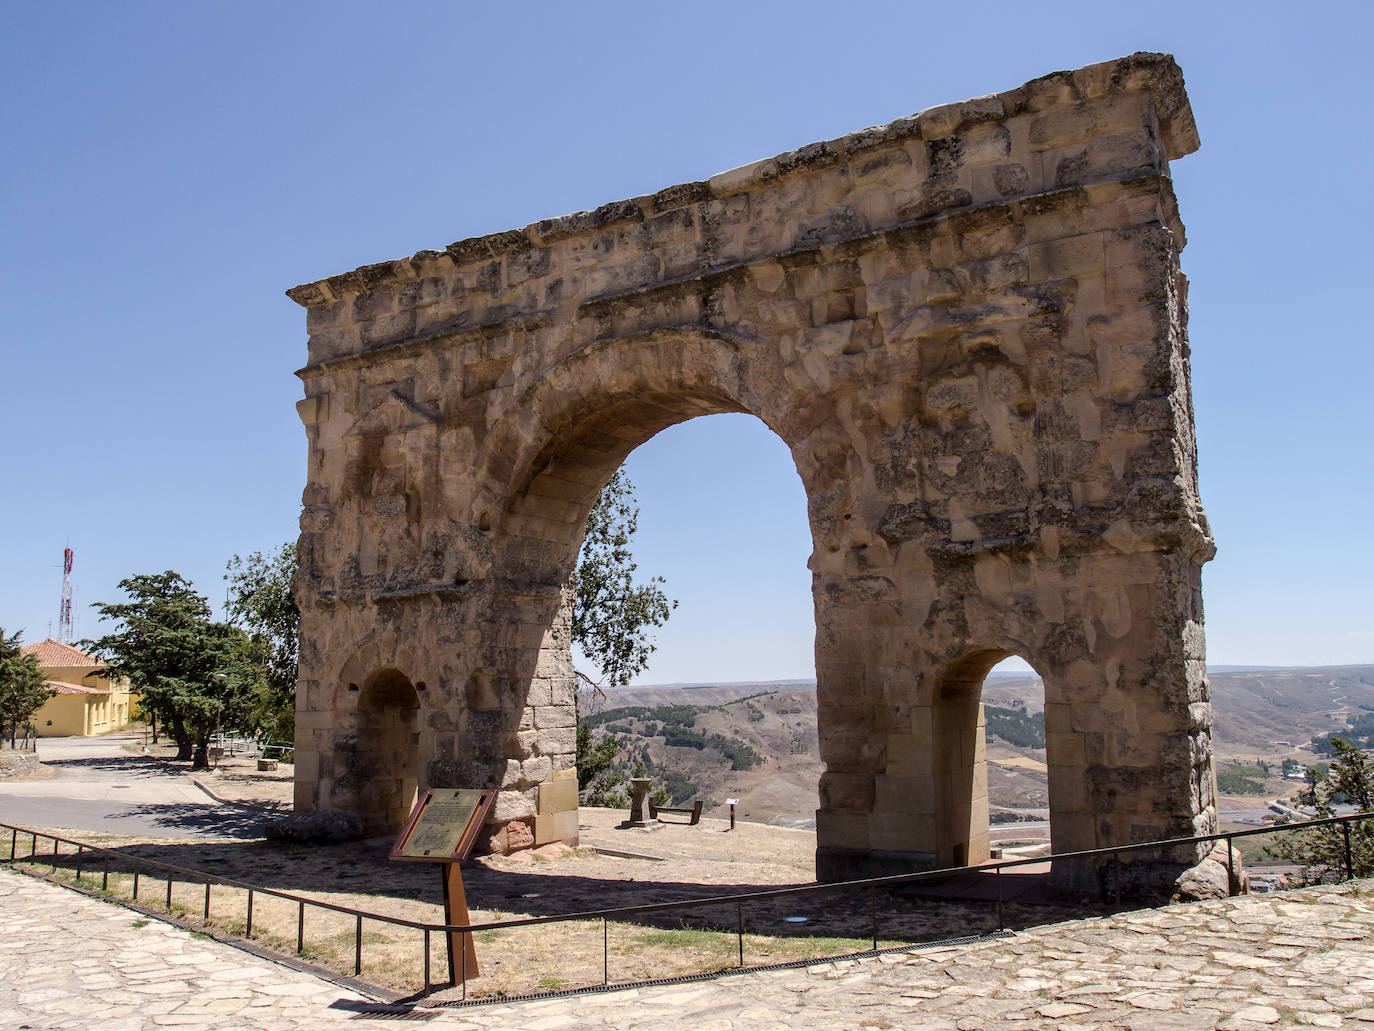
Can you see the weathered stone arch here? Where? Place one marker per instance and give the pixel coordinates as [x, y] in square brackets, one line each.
[969, 327]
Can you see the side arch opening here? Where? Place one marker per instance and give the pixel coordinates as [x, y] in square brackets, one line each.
[388, 749]
[989, 759]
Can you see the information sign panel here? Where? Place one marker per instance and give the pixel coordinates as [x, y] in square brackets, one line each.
[444, 825]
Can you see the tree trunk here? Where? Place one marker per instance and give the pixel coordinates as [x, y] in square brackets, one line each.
[182, 738]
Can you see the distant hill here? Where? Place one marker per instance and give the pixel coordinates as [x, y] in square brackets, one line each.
[756, 741]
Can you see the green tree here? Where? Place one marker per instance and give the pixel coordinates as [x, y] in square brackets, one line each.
[611, 623]
[1321, 851]
[593, 759]
[22, 687]
[192, 673]
[261, 603]
[612, 615]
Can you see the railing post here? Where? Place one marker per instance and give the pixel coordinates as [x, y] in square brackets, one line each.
[248, 924]
[739, 929]
[358, 947]
[426, 960]
[77, 875]
[207, 900]
[137, 870]
[1001, 924]
[300, 929]
[14, 843]
[105, 877]
[465, 971]
[1230, 862]
[1349, 863]
[873, 914]
[169, 891]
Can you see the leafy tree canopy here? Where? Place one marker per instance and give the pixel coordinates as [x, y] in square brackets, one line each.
[192, 673]
[611, 623]
[1321, 851]
[1359, 732]
[261, 603]
[612, 615]
[22, 687]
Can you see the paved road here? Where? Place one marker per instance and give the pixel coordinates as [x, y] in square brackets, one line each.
[99, 785]
[1300, 959]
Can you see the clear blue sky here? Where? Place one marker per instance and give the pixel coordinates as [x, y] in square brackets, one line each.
[171, 168]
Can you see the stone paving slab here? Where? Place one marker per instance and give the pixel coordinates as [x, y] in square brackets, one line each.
[1296, 959]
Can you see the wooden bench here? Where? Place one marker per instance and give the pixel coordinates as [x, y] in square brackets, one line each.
[693, 813]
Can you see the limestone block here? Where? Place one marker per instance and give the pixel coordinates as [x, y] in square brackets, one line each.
[895, 795]
[847, 791]
[540, 693]
[1067, 257]
[536, 770]
[894, 833]
[514, 805]
[843, 828]
[1061, 126]
[558, 826]
[307, 766]
[1066, 749]
[557, 740]
[554, 716]
[557, 796]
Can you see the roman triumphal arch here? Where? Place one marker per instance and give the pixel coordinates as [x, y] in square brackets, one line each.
[969, 328]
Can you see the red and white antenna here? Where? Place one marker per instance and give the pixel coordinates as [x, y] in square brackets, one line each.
[64, 622]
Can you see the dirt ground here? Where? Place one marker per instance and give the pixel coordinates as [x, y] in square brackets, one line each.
[612, 867]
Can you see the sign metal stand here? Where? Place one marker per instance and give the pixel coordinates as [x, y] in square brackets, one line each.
[443, 828]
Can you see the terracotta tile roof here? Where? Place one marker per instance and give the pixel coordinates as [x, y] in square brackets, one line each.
[55, 653]
[64, 688]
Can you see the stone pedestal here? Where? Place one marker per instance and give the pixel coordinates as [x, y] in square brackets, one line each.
[639, 791]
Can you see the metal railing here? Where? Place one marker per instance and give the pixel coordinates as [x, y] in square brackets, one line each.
[88, 856]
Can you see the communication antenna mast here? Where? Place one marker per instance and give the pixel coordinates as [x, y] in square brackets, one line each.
[64, 622]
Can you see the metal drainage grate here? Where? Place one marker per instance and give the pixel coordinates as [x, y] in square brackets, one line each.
[384, 1011]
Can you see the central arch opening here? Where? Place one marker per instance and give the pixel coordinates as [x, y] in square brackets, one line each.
[726, 706]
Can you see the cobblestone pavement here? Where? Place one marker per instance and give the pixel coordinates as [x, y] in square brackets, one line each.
[1296, 959]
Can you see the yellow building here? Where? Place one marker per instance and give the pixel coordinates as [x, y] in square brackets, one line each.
[86, 702]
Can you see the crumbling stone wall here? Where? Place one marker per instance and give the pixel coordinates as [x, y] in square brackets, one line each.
[969, 328]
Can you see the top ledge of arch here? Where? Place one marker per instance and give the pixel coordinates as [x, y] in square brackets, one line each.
[1159, 74]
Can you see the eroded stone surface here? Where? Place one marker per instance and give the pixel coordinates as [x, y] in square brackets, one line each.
[969, 328]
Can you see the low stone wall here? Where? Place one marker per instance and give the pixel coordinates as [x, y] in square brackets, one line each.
[18, 764]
